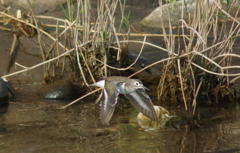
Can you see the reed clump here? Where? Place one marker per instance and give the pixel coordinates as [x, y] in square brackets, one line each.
[79, 46]
[200, 66]
[200, 53]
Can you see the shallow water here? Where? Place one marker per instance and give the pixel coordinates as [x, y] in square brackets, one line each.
[33, 125]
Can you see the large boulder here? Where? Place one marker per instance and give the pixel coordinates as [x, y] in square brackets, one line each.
[169, 13]
[38, 6]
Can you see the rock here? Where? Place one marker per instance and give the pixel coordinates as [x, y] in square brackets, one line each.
[38, 6]
[6, 90]
[63, 90]
[171, 13]
[148, 56]
[147, 124]
[160, 16]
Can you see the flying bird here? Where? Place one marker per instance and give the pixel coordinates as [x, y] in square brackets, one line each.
[132, 89]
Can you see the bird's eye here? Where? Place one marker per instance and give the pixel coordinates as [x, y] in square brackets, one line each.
[137, 83]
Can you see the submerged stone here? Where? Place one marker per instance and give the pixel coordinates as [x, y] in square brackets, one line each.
[169, 14]
[148, 56]
[63, 90]
[38, 6]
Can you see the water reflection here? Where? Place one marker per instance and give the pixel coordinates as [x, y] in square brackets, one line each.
[3, 109]
[209, 137]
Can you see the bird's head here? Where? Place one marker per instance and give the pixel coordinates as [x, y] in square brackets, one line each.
[133, 85]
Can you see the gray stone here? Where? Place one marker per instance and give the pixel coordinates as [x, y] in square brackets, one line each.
[169, 13]
[38, 6]
[63, 90]
[172, 13]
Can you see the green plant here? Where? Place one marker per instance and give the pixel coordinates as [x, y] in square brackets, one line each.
[69, 11]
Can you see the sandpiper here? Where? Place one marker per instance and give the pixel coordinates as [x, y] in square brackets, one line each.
[133, 89]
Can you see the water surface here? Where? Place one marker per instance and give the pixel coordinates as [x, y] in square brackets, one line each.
[34, 125]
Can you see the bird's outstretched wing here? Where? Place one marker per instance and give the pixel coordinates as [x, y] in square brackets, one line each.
[111, 94]
[143, 103]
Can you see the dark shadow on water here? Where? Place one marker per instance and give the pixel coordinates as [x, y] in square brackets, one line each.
[3, 109]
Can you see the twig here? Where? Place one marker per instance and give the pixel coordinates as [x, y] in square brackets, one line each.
[20, 65]
[215, 73]
[197, 33]
[194, 104]
[5, 29]
[51, 18]
[87, 65]
[146, 43]
[128, 67]
[114, 31]
[84, 96]
[13, 51]
[77, 48]
[150, 65]
[45, 62]
[38, 65]
[181, 83]
[117, 33]
[31, 25]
